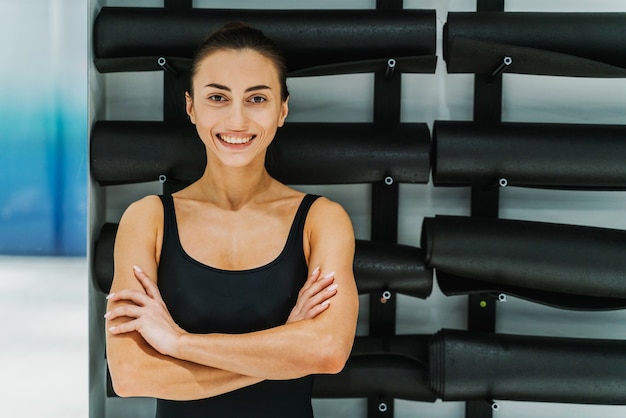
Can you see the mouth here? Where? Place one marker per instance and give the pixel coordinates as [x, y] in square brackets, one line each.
[235, 140]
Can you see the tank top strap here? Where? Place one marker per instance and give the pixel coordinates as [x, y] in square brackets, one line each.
[297, 228]
[169, 217]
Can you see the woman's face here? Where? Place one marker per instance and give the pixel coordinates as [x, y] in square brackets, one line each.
[237, 105]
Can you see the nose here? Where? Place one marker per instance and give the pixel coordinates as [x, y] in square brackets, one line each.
[237, 119]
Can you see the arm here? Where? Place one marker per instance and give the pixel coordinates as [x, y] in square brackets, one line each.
[137, 369]
[318, 345]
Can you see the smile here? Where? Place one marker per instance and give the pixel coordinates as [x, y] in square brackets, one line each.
[235, 139]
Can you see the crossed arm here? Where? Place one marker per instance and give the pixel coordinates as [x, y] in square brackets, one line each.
[146, 348]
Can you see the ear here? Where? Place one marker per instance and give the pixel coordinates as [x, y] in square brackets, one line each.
[284, 110]
[189, 108]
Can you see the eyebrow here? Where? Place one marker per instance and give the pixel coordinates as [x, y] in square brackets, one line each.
[249, 89]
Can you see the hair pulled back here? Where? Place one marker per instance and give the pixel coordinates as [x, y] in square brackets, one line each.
[239, 36]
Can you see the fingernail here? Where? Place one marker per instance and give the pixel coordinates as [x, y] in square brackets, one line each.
[329, 275]
[112, 329]
[315, 271]
[108, 314]
[325, 303]
[110, 295]
[332, 287]
[137, 269]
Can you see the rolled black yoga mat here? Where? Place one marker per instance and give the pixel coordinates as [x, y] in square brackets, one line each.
[315, 42]
[480, 366]
[568, 156]
[560, 44]
[302, 153]
[377, 266]
[568, 266]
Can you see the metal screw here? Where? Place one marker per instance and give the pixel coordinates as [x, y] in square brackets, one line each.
[386, 296]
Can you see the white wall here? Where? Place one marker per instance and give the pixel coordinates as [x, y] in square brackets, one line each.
[426, 98]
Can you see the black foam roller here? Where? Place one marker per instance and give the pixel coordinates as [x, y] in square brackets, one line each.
[568, 156]
[377, 266]
[103, 257]
[373, 372]
[538, 257]
[335, 153]
[560, 44]
[391, 366]
[133, 38]
[133, 152]
[399, 268]
[411, 346]
[380, 375]
[383, 375]
[481, 366]
[302, 153]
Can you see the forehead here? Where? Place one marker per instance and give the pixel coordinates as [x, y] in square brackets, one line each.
[234, 68]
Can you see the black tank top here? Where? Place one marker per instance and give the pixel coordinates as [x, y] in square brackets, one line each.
[204, 299]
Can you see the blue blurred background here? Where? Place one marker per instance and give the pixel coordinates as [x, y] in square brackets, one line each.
[43, 127]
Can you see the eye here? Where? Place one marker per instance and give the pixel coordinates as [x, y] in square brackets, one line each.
[257, 99]
[217, 98]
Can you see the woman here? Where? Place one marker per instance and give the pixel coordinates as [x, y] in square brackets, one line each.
[230, 294]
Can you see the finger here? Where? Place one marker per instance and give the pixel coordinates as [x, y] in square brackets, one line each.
[131, 311]
[321, 282]
[322, 296]
[124, 328]
[327, 276]
[129, 295]
[319, 285]
[317, 309]
[315, 273]
[148, 284]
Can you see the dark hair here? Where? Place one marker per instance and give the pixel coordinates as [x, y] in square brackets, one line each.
[238, 36]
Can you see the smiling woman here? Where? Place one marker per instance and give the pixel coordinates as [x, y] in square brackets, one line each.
[237, 106]
[229, 294]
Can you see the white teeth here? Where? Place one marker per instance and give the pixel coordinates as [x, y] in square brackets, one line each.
[235, 139]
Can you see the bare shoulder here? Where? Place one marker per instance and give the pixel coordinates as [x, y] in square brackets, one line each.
[143, 217]
[147, 211]
[325, 210]
[145, 207]
[328, 220]
[140, 232]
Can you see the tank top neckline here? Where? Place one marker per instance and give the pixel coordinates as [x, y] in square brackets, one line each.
[294, 232]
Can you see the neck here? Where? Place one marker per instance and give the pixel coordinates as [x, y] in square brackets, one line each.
[233, 187]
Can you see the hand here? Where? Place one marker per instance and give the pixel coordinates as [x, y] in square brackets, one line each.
[314, 297]
[150, 316]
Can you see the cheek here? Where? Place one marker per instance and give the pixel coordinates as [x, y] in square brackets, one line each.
[271, 124]
[204, 127]
[206, 120]
[261, 118]
[274, 118]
